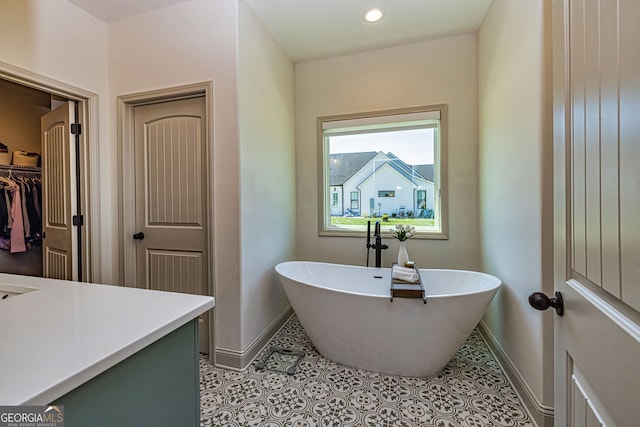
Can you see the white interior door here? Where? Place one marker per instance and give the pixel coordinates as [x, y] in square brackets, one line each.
[58, 199]
[597, 211]
[171, 199]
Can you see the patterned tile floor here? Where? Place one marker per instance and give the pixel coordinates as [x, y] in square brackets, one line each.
[471, 391]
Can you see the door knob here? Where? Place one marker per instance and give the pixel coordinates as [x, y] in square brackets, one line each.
[138, 236]
[540, 301]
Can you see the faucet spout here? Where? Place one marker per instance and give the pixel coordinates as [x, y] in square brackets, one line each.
[377, 246]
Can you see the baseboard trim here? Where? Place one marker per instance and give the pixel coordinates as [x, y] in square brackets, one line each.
[239, 360]
[541, 414]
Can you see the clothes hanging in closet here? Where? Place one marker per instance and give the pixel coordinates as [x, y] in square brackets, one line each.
[20, 213]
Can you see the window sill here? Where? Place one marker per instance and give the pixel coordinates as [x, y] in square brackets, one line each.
[436, 235]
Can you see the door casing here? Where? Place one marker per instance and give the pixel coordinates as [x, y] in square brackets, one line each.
[88, 159]
[126, 175]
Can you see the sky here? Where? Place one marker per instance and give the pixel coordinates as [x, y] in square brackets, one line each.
[414, 147]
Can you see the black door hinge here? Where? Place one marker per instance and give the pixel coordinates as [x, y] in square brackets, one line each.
[76, 128]
[78, 220]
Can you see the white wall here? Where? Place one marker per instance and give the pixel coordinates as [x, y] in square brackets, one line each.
[433, 72]
[195, 41]
[252, 140]
[267, 171]
[515, 184]
[20, 111]
[57, 40]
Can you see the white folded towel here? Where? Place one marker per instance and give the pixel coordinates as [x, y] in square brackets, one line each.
[406, 274]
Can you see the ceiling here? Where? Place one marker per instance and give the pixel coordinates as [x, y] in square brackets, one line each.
[313, 29]
[115, 10]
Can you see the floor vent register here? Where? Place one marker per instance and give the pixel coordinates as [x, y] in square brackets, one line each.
[280, 359]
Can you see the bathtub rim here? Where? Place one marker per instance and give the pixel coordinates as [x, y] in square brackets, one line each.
[493, 288]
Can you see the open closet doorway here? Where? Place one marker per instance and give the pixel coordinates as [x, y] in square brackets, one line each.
[20, 178]
[44, 177]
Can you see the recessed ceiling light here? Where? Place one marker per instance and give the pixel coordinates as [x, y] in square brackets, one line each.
[373, 15]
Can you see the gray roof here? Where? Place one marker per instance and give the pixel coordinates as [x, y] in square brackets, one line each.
[344, 166]
[426, 171]
[410, 171]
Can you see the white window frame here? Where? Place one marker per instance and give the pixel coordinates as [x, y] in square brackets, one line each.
[357, 200]
[384, 119]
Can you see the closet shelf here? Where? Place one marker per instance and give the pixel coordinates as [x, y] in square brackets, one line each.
[21, 168]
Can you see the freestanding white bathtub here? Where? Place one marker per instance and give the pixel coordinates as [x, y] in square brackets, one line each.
[350, 319]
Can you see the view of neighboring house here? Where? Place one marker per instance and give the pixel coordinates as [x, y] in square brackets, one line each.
[374, 183]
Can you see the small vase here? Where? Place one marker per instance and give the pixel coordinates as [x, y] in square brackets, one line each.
[403, 256]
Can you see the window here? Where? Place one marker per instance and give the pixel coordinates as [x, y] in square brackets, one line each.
[395, 159]
[421, 196]
[355, 205]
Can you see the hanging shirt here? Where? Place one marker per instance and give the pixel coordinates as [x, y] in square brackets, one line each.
[8, 202]
[35, 222]
[17, 231]
[4, 216]
[37, 191]
[25, 195]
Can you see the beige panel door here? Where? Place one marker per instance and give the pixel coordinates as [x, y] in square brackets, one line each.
[171, 199]
[58, 200]
[597, 211]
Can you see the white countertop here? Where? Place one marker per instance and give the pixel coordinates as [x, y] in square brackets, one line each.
[63, 334]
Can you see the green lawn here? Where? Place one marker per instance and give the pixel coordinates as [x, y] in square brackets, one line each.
[358, 220]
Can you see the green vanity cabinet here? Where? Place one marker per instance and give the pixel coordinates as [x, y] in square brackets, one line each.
[157, 386]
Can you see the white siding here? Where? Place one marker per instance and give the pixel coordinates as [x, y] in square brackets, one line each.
[368, 181]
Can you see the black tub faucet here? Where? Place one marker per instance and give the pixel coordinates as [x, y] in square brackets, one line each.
[377, 246]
